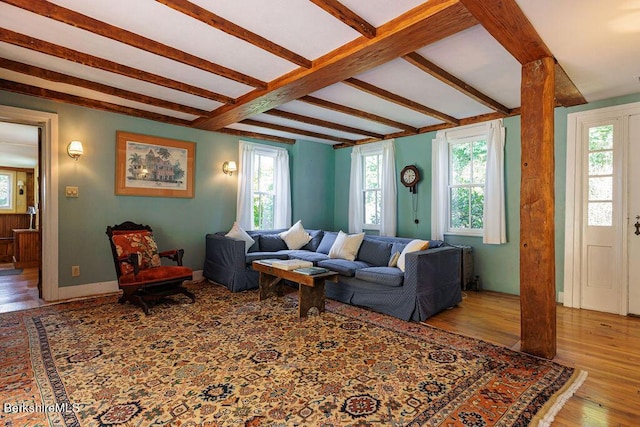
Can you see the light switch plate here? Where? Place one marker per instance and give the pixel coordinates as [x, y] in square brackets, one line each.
[71, 191]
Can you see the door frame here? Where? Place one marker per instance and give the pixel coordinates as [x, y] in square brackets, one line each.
[574, 202]
[49, 186]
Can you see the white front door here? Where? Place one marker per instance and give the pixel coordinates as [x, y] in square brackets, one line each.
[633, 191]
[602, 217]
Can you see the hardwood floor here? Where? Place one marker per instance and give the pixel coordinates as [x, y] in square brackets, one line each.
[607, 346]
[19, 292]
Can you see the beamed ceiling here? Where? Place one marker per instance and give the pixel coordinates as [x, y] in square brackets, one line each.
[338, 72]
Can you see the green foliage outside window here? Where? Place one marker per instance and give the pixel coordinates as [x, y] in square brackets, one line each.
[5, 191]
[467, 169]
[372, 189]
[263, 192]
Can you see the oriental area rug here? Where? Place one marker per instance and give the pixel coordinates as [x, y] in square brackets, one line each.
[231, 360]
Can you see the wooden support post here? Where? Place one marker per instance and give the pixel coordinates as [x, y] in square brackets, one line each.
[537, 236]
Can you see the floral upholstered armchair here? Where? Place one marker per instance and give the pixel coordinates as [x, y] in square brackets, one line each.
[141, 275]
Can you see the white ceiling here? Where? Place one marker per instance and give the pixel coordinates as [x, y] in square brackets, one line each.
[597, 43]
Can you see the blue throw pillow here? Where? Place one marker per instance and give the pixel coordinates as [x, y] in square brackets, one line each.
[316, 238]
[327, 241]
[271, 243]
[375, 252]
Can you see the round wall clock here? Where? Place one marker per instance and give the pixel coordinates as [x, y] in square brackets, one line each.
[409, 176]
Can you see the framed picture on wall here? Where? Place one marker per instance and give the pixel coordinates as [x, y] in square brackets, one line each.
[154, 166]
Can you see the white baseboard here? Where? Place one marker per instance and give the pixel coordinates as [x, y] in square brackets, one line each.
[561, 297]
[99, 288]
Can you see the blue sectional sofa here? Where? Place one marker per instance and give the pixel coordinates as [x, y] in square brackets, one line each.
[430, 283]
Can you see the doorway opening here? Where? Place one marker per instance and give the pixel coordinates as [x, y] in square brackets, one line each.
[41, 230]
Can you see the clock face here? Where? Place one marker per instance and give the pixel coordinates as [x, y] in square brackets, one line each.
[409, 176]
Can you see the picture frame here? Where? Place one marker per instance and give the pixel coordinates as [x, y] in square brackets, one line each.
[154, 166]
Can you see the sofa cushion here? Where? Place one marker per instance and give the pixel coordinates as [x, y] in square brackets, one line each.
[343, 266]
[316, 238]
[327, 241]
[237, 232]
[296, 236]
[387, 276]
[346, 246]
[375, 252]
[271, 243]
[398, 247]
[256, 256]
[413, 246]
[314, 257]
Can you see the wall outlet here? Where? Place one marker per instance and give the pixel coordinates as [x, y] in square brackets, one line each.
[75, 270]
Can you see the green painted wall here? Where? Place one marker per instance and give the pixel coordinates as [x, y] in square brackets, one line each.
[497, 265]
[176, 222]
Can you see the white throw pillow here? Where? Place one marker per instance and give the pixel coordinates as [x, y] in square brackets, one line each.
[237, 232]
[346, 246]
[295, 237]
[413, 246]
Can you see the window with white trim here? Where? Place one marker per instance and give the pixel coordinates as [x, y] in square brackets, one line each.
[467, 172]
[6, 191]
[263, 194]
[372, 189]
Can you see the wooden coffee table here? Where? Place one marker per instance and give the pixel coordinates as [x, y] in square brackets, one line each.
[310, 288]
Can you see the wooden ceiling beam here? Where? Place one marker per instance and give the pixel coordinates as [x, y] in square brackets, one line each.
[70, 17]
[297, 131]
[355, 112]
[432, 69]
[322, 123]
[567, 94]
[62, 52]
[430, 22]
[256, 135]
[218, 22]
[347, 16]
[399, 100]
[506, 22]
[53, 95]
[54, 76]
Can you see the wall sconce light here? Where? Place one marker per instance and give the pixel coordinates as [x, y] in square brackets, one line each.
[229, 167]
[21, 186]
[75, 150]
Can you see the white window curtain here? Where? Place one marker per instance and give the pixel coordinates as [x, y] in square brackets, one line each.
[388, 217]
[282, 186]
[494, 222]
[439, 183]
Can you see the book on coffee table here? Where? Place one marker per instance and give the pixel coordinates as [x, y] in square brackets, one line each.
[311, 271]
[291, 264]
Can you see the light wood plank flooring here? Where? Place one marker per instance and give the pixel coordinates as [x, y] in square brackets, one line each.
[607, 346]
[19, 292]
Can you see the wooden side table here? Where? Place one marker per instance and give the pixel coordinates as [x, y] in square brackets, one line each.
[26, 248]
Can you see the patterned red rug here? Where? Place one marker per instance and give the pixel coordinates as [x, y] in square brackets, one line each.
[231, 360]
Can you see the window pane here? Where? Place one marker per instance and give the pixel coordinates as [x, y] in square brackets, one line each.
[601, 188]
[460, 159]
[601, 137]
[601, 163]
[5, 191]
[372, 171]
[372, 207]
[263, 205]
[479, 161]
[263, 174]
[459, 207]
[477, 207]
[600, 214]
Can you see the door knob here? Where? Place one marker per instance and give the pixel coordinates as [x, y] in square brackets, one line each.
[637, 225]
